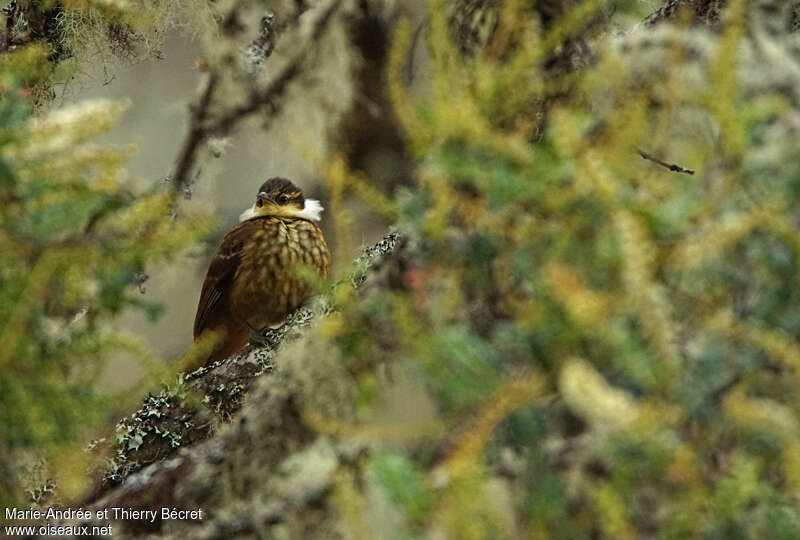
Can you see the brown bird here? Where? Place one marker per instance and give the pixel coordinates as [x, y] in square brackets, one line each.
[253, 280]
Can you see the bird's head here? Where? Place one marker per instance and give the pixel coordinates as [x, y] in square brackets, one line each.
[280, 198]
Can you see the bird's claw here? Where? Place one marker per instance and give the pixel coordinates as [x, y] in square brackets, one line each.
[266, 337]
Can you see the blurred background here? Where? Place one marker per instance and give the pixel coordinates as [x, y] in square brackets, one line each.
[586, 328]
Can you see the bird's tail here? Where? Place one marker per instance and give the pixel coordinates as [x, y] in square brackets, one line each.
[211, 345]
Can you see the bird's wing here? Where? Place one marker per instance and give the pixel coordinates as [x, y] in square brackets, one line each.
[216, 287]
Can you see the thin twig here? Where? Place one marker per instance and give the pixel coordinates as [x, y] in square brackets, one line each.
[670, 166]
[667, 11]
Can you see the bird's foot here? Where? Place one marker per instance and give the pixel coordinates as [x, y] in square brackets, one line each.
[265, 337]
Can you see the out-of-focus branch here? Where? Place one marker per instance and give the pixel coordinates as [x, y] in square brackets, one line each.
[667, 11]
[202, 125]
[266, 98]
[196, 136]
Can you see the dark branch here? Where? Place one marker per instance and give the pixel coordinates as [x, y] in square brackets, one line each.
[670, 166]
[197, 135]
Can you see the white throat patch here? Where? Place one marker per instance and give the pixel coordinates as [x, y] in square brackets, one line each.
[247, 214]
[311, 211]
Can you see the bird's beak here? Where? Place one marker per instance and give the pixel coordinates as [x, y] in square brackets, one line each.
[254, 210]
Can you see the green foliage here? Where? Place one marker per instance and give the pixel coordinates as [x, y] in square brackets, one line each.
[405, 484]
[74, 243]
[654, 314]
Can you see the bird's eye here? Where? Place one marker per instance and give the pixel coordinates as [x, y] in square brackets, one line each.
[283, 199]
[259, 202]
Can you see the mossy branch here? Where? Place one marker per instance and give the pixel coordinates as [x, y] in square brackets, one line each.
[187, 413]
